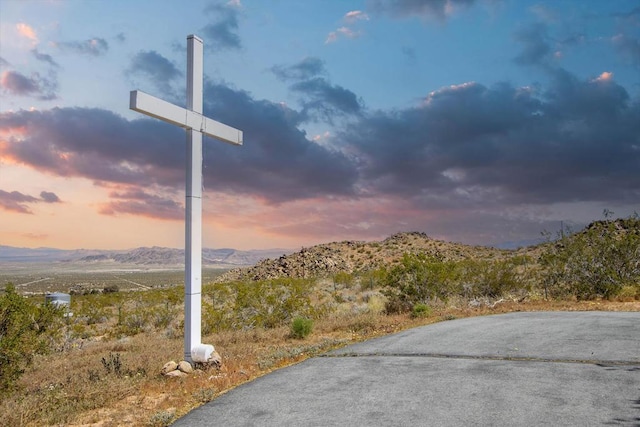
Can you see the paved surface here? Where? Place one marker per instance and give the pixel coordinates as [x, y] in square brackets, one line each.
[518, 369]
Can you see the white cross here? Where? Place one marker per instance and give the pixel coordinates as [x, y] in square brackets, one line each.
[196, 125]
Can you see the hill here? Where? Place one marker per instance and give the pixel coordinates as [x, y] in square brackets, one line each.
[356, 256]
[353, 256]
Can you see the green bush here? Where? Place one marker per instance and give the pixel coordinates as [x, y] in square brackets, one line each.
[371, 279]
[343, 278]
[111, 289]
[419, 279]
[598, 262]
[261, 304]
[133, 322]
[421, 310]
[301, 327]
[26, 329]
[491, 279]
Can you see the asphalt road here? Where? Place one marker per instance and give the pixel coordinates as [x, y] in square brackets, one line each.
[518, 369]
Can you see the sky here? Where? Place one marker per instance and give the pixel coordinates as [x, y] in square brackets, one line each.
[484, 122]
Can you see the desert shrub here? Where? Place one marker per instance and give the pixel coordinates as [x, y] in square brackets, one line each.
[162, 315]
[115, 365]
[272, 303]
[419, 279]
[26, 329]
[204, 395]
[162, 419]
[376, 304]
[373, 278]
[265, 304]
[111, 289]
[301, 327]
[90, 313]
[598, 262]
[420, 310]
[629, 293]
[491, 279]
[133, 322]
[343, 278]
[217, 308]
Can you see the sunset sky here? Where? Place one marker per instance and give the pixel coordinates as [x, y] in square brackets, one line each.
[475, 121]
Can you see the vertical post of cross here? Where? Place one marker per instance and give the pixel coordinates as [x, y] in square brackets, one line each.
[193, 202]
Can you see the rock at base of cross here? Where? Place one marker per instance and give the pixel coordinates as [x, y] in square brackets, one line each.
[183, 368]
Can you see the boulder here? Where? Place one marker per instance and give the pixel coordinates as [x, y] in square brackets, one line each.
[185, 367]
[168, 367]
[175, 374]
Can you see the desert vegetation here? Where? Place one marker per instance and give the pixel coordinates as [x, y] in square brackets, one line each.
[100, 365]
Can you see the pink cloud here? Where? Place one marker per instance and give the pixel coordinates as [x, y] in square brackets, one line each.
[134, 201]
[342, 32]
[18, 84]
[604, 77]
[355, 15]
[27, 31]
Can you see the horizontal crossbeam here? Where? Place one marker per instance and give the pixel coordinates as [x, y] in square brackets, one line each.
[170, 113]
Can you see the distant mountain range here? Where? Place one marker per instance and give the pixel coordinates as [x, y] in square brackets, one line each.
[142, 256]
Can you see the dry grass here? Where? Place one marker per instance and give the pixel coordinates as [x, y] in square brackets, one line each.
[76, 388]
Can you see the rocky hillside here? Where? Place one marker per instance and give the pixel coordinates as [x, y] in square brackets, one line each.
[351, 256]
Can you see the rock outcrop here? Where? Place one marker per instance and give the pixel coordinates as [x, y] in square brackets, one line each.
[352, 256]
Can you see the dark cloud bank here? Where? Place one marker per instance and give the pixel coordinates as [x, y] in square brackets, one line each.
[575, 141]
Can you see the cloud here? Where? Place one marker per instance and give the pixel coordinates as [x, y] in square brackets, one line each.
[223, 32]
[277, 163]
[327, 100]
[541, 48]
[319, 98]
[433, 9]
[307, 68]
[342, 32]
[466, 148]
[17, 202]
[93, 143]
[631, 18]
[49, 197]
[156, 67]
[27, 31]
[18, 84]
[134, 201]
[628, 47]
[355, 15]
[536, 46]
[467, 144]
[93, 47]
[4, 62]
[350, 19]
[43, 57]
